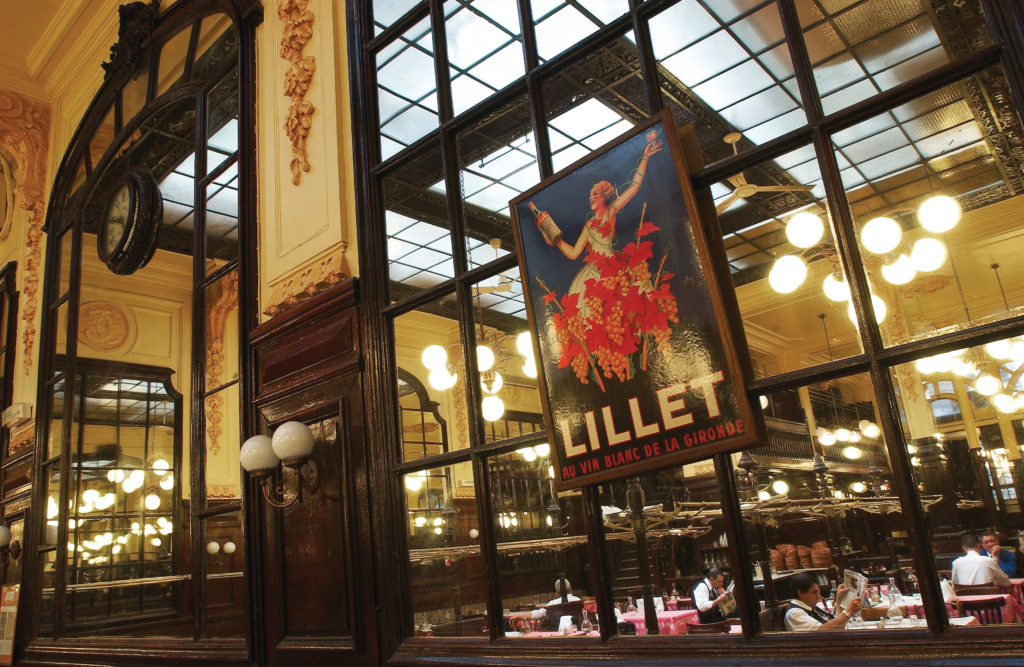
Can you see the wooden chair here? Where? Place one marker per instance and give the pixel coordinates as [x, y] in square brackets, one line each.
[986, 611]
[979, 589]
[708, 628]
[772, 620]
[573, 608]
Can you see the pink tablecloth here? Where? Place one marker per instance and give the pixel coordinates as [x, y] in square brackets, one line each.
[1017, 589]
[669, 622]
[1013, 612]
[679, 604]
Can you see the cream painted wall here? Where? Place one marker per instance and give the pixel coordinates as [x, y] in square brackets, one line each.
[307, 230]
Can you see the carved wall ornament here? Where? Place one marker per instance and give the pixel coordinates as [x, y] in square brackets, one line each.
[136, 22]
[298, 30]
[102, 325]
[222, 301]
[24, 132]
[306, 283]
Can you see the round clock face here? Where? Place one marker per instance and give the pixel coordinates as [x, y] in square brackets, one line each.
[126, 239]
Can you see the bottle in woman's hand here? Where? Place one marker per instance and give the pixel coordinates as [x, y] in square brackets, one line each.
[552, 234]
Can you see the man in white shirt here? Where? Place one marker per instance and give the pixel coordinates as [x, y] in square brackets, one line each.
[973, 569]
[708, 596]
[803, 613]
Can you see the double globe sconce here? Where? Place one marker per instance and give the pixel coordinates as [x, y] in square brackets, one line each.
[261, 456]
[879, 236]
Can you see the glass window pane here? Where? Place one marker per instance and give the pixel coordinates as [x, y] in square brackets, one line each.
[791, 288]
[406, 90]
[223, 479]
[66, 258]
[559, 23]
[586, 102]
[511, 405]
[498, 161]
[444, 551]
[133, 95]
[541, 541]
[666, 539]
[227, 602]
[431, 385]
[12, 573]
[819, 501]
[861, 49]
[962, 415]
[50, 532]
[172, 61]
[419, 242]
[386, 12]
[932, 201]
[485, 49]
[217, 46]
[222, 119]
[102, 138]
[222, 221]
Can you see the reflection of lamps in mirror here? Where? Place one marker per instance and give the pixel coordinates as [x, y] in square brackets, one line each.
[291, 446]
[8, 550]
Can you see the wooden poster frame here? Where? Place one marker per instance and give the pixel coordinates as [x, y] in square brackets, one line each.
[691, 415]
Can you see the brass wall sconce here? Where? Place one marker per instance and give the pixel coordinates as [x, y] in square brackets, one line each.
[291, 445]
[8, 550]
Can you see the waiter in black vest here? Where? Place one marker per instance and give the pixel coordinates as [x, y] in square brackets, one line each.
[803, 612]
[708, 596]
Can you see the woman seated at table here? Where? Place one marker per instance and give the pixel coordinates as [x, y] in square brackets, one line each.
[804, 614]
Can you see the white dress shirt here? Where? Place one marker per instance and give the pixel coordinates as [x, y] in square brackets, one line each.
[972, 569]
[703, 595]
[799, 618]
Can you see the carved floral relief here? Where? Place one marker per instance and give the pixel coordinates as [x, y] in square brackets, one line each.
[298, 30]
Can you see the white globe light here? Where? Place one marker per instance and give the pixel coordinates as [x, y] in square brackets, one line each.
[854, 436]
[928, 254]
[256, 455]
[852, 453]
[943, 363]
[434, 357]
[212, 548]
[413, 482]
[492, 407]
[804, 229]
[964, 368]
[293, 441]
[763, 400]
[881, 235]
[524, 344]
[473, 533]
[827, 439]
[924, 366]
[787, 274]
[987, 385]
[496, 384]
[1004, 404]
[441, 379]
[484, 358]
[872, 431]
[1017, 351]
[229, 548]
[835, 288]
[530, 368]
[900, 272]
[999, 349]
[880, 310]
[858, 487]
[939, 214]
[843, 435]
[161, 466]
[780, 487]
[90, 495]
[527, 453]
[764, 495]
[543, 449]
[167, 483]
[152, 501]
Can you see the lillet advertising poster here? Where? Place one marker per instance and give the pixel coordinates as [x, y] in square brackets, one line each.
[635, 353]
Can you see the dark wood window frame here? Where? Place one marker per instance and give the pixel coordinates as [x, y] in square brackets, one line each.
[876, 360]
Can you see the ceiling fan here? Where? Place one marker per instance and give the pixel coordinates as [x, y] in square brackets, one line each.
[743, 189]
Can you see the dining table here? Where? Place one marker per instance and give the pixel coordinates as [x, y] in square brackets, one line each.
[1017, 589]
[1013, 611]
[669, 622]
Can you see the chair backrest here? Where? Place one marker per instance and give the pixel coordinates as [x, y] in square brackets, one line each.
[979, 589]
[771, 619]
[705, 628]
[986, 611]
[573, 608]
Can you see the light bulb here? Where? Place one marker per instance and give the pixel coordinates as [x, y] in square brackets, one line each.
[763, 495]
[434, 357]
[167, 483]
[548, 520]
[527, 453]
[229, 548]
[873, 431]
[484, 358]
[530, 368]
[492, 407]
[161, 466]
[212, 548]
[939, 214]
[1004, 404]
[441, 379]
[780, 487]
[928, 254]
[880, 310]
[787, 274]
[827, 439]
[988, 385]
[900, 272]
[1017, 351]
[843, 435]
[835, 288]
[804, 229]
[496, 384]
[524, 344]
[473, 533]
[152, 501]
[112, 475]
[852, 453]
[763, 400]
[964, 368]
[551, 472]
[999, 349]
[858, 487]
[90, 495]
[854, 437]
[420, 521]
[437, 521]
[881, 235]
[438, 531]
[543, 449]
[413, 483]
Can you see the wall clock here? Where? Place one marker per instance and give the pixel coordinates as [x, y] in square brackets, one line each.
[131, 220]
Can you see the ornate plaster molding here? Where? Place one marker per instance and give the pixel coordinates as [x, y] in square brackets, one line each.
[305, 283]
[24, 132]
[298, 30]
[136, 23]
[222, 301]
[102, 325]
